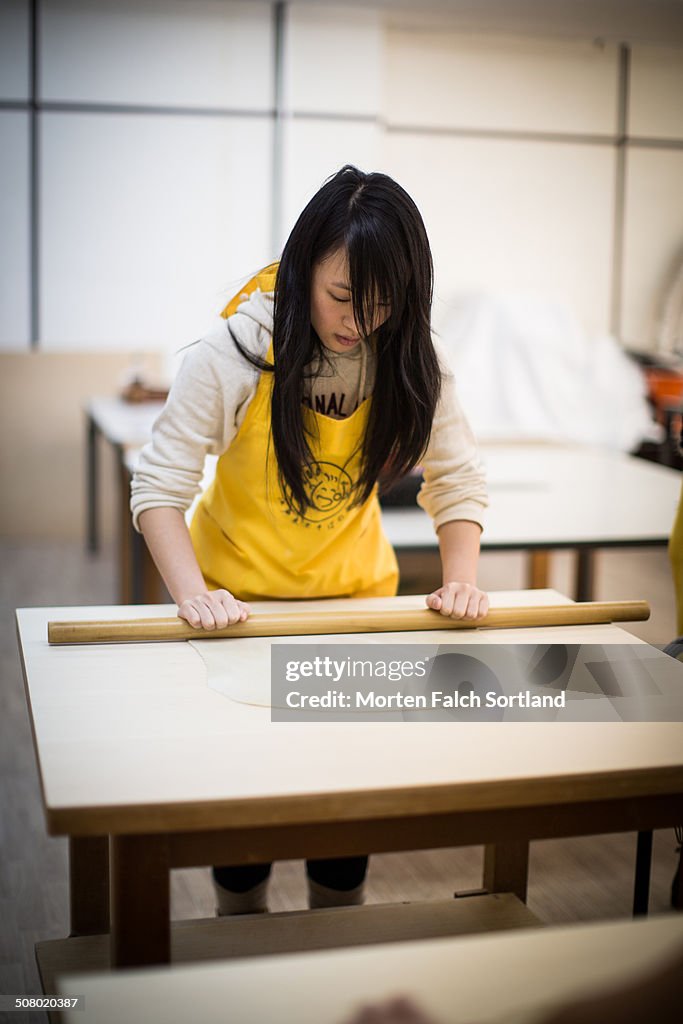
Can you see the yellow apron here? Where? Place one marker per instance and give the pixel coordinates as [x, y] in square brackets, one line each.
[248, 541]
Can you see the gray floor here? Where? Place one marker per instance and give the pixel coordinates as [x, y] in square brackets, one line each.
[570, 880]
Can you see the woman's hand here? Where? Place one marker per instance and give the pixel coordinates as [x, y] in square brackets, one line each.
[459, 601]
[213, 609]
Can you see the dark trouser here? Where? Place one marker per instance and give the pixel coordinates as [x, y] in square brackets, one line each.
[341, 873]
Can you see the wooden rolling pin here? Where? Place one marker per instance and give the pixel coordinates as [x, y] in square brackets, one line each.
[321, 622]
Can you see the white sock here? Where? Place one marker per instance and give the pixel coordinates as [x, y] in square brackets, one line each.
[253, 901]
[323, 896]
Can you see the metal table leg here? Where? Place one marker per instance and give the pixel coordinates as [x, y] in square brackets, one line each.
[585, 572]
[92, 484]
[641, 885]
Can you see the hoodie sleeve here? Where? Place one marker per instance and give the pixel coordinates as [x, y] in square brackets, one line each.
[454, 481]
[205, 408]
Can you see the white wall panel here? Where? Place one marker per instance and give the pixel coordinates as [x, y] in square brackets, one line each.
[14, 231]
[313, 150]
[205, 53]
[147, 224]
[653, 240]
[656, 93]
[14, 50]
[333, 60]
[458, 81]
[511, 215]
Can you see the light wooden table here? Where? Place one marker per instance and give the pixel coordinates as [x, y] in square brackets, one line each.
[543, 498]
[122, 425]
[133, 745]
[548, 497]
[509, 978]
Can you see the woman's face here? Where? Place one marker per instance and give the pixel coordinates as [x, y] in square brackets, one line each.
[331, 308]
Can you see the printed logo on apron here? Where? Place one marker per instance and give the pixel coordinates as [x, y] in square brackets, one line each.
[328, 490]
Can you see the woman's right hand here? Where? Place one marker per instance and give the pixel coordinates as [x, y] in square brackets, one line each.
[213, 609]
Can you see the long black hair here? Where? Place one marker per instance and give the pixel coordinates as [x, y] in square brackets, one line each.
[379, 226]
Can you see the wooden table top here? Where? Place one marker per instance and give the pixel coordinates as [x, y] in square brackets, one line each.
[131, 738]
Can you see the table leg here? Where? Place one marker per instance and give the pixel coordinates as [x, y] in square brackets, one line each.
[126, 578]
[92, 483]
[641, 885]
[147, 584]
[153, 587]
[538, 570]
[585, 571]
[506, 868]
[140, 582]
[140, 900]
[138, 574]
[677, 884]
[89, 885]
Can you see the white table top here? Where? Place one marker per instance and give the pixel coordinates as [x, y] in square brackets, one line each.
[124, 423]
[553, 495]
[136, 726]
[549, 495]
[507, 977]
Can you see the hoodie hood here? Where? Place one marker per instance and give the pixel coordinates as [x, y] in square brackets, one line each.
[257, 309]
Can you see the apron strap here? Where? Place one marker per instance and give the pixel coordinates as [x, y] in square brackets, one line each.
[264, 280]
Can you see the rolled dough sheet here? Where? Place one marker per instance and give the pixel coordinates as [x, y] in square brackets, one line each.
[643, 686]
[240, 669]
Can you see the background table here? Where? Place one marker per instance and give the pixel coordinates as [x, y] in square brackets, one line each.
[508, 977]
[122, 425]
[549, 497]
[132, 744]
[542, 498]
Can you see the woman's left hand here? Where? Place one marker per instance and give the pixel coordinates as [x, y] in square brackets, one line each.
[459, 601]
